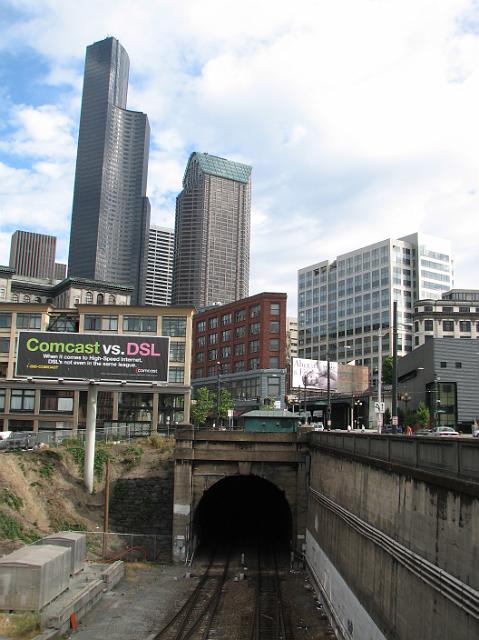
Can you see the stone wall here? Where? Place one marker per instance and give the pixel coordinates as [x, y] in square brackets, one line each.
[406, 548]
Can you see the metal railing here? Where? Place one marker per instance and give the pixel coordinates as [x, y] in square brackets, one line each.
[454, 457]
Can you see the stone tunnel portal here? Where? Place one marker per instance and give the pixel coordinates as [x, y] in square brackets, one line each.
[243, 509]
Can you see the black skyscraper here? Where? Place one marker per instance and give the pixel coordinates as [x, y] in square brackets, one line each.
[111, 214]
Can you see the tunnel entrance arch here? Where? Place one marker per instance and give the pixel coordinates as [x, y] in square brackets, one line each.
[243, 509]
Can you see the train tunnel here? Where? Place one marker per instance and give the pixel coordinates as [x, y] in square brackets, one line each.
[242, 510]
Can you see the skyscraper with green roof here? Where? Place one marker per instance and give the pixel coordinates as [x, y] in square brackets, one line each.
[212, 232]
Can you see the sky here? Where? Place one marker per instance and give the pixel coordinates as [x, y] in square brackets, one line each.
[359, 117]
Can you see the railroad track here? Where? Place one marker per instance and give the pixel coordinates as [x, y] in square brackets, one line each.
[195, 619]
[271, 616]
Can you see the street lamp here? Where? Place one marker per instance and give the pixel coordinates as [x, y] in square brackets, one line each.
[358, 404]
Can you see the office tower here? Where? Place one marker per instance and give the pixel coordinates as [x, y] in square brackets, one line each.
[33, 254]
[159, 272]
[344, 305]
[212, 232]
[60, 272]
[110, 216]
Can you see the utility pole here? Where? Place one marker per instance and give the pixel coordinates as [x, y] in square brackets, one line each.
[380, 380]
[394, 417]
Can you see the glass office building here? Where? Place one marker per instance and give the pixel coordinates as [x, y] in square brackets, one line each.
[111, 213]
[212, 232]
[345, 306]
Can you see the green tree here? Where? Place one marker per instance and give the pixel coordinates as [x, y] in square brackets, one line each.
[422, 415]
[387, 370]
[204, 402]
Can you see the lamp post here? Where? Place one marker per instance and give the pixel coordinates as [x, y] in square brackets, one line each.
[218, 392]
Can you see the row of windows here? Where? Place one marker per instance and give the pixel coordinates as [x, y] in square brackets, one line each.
[239, 332]
[239, 316]
[236, 367]
[465, 326]
[238, 350]
[170, 325]
[447, 309]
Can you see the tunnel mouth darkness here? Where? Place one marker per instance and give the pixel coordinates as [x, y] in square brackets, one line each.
[243, 510]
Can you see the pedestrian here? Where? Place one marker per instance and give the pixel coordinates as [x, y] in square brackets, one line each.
[409, 430]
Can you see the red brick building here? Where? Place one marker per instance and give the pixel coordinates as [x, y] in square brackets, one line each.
[244, 344]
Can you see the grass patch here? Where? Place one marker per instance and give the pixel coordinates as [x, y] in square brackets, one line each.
[11, 529]
[10, 499]
[164, 444]
[131, 457]
[21, 625]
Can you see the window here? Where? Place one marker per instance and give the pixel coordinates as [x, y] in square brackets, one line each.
[100, 298]
[253, 363]
[177, 351]
[200, 341]
[226, 335]
[274, 308]
[200, 357]
[254, 346]
[26, 298]
[22, 400]
[28, 320]
[464, 326]
[225, 352]
[4, 345]
[443, 365]
[212, 354]
[254, 328]
[254, 311]
[240, 332]
[240, 315]
[201, 326]
[89, 297]
[101, 323]
[239, 366]
[174, 326]
[274, 344]
[2, 399]
[448, 325]
[239, 349]
[140, 324]
[213, 323]
[5, 320]
[111, 299]
[458, 365]
[226, 318]
[61, 401]
[274, 326]
[428, 325]
[274, 362]
[176, 374]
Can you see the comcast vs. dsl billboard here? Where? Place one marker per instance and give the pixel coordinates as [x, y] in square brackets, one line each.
[92, 356]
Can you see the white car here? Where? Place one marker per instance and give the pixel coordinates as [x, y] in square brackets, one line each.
[444, 431]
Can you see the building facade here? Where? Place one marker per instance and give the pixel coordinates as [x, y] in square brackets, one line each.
[33, 254]
[36, 404]
[212, 232]
[159, 272]
[345, 306]
[242, 346]
[111, 213]
[444, 374]
[454, 315]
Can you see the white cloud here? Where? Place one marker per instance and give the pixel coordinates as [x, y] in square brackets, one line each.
[358, 116]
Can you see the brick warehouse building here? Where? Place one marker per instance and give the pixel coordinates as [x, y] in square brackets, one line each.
[242, 347]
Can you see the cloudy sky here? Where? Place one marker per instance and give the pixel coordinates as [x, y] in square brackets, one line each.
[360, 117]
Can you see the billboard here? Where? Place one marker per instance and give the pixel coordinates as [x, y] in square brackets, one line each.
[92, 356]
[313, 374]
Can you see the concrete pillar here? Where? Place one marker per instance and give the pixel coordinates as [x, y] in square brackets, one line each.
[154, 412]
[114, 415]
[187, 406]
[90, 436]
[76, 410]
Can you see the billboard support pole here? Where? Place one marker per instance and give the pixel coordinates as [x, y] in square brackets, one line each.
[90, 436]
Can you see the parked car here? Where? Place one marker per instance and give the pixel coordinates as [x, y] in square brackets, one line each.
[475, 434]
[18, 440]
[444, 431]
[388, 428]
[422, 432]
[318, 426]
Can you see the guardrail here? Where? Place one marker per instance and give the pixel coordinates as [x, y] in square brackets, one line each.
[455, 456]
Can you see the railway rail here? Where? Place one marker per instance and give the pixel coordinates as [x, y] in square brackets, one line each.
[194, 621]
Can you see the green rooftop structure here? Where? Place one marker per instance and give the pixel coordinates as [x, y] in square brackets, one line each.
[212, 232]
